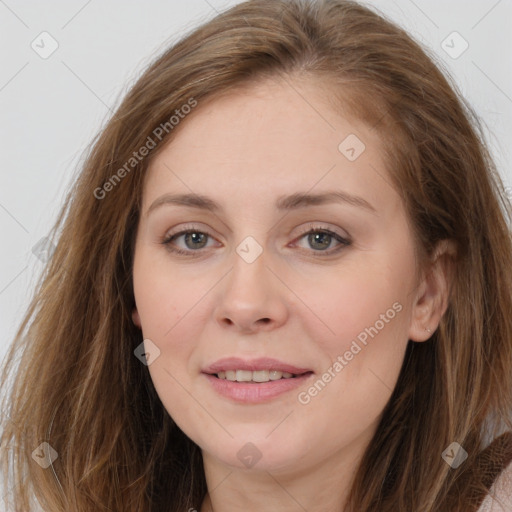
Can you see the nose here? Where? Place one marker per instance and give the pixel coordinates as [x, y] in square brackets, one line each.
[251, 298]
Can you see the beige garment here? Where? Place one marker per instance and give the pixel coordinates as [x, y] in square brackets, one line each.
[499, 498]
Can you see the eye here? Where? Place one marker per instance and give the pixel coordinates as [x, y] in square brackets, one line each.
[319, 239]
[193, 238]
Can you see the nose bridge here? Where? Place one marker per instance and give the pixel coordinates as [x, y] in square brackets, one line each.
[249, 294]
[250, 260]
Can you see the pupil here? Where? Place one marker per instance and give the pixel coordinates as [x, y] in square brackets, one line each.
[313, 238]
[196, 237]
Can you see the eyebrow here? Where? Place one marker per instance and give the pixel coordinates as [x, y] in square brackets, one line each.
[283, 203]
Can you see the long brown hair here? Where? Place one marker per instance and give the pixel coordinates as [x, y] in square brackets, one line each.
[79, 387]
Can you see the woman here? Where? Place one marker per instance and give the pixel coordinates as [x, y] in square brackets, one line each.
[283, 279]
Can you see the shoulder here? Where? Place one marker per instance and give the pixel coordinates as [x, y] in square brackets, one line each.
[499, 498]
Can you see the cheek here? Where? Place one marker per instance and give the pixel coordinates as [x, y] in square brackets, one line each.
[174, 309]
[164, 296]
[358, 299]
[362, 359]
[168, 303]
[367, 311]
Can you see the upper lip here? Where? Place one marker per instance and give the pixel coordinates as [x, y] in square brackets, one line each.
[262, 363]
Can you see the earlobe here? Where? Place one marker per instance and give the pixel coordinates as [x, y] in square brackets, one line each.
[136, 318]
[433, 295]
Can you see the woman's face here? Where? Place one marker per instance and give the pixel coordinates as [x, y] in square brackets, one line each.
[252, 283]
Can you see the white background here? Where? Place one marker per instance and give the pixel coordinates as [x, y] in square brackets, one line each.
[51, 108]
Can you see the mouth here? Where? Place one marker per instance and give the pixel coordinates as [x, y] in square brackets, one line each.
[255, 380]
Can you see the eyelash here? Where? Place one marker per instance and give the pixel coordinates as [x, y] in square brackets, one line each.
[310, 229]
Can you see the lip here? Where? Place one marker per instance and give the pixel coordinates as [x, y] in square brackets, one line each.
[262, 363]
[252, 392]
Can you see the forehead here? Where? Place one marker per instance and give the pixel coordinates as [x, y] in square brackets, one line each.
[269, 139]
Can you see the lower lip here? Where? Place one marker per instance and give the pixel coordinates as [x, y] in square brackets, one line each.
[250, 392]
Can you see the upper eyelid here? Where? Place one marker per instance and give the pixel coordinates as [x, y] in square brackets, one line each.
[312, 225]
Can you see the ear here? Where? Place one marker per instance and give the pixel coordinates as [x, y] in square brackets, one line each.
[136, 318]
[433, 292]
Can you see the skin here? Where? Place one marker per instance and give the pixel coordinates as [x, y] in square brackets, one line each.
[244, 150]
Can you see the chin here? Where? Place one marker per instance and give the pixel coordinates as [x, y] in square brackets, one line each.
[259, 453]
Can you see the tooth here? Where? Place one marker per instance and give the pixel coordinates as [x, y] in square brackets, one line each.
[243, 375]
[256, 376]
[260, 376]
